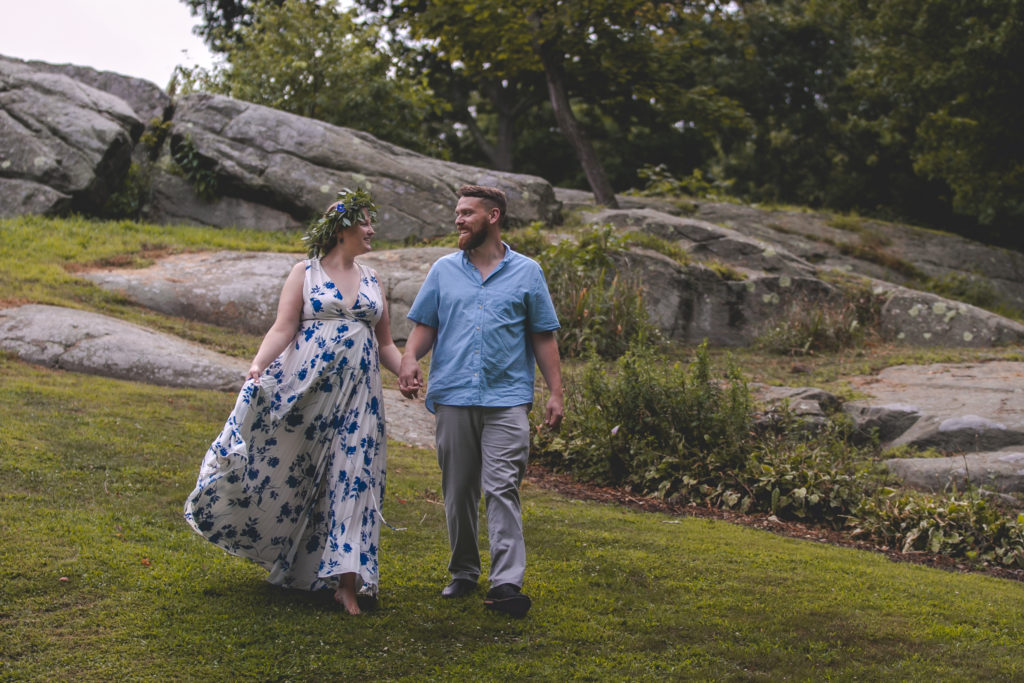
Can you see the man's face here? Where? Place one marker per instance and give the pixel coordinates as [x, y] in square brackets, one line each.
[472, 221]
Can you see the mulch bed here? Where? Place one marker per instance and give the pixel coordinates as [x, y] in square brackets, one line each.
[541, 477]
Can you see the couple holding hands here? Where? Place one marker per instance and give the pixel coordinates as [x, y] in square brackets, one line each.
[296, 478]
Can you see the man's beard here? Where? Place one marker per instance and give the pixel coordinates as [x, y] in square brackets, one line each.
[472, 240]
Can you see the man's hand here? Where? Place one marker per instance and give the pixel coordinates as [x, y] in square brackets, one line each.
[554, 412]
[410, 379]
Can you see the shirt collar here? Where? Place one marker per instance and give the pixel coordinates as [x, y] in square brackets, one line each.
[508, 256]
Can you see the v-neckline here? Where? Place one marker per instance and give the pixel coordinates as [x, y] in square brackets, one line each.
[346, 302]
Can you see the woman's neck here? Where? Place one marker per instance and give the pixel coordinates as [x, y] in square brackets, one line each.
[337, 258]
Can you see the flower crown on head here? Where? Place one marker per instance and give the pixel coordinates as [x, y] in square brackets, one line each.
[344, 213]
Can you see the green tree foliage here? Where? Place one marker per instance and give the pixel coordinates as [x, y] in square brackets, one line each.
[896, 109]
[615, 79]
[946, 83]
[317, 61]
[221, 20]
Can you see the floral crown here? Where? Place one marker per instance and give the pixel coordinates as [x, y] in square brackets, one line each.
[344, 213]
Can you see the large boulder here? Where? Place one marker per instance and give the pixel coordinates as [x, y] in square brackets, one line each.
[241, 289]
[63, 145]
[705, 240]
[693, 303]
[146, 99]
[924, 319]
[1001, 471]
[892, 252]
[172, 200]
[296, 165]
[957, 407]
[96, 344]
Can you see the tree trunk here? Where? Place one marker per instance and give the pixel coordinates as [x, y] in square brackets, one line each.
[570, 127]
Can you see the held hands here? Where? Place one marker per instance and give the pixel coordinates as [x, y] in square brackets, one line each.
[410, 379]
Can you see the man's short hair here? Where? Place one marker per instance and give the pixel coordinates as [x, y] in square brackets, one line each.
[492, 195]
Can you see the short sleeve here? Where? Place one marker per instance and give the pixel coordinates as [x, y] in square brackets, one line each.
[541, 310]
[424, 309]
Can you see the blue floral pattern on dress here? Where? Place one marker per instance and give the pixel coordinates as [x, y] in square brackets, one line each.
[296, 477]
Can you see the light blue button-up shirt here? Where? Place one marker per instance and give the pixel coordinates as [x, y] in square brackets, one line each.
[482, 355]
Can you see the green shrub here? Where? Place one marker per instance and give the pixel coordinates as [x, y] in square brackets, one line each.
[810, 327]
[600, 311]
[196, 168]
[648, 425]
[529, 240]
[684, 434]
[127, 201]
[964, 526]
[660, 182]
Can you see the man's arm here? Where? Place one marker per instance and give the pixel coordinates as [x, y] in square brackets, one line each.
[421, 340]
[545, 348]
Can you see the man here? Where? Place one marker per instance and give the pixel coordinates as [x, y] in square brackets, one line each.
[487, 314]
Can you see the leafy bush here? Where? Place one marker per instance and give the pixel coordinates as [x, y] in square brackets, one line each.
[600, 311]
[684, 434]
[966, 526]
[529, 240]
[809, 327]
[196, 168]
[129, 198]
[660, 182]
[649, 425]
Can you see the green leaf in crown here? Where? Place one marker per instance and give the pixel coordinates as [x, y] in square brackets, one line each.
[344, 213]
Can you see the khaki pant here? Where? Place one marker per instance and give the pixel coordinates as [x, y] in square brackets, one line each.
[484, 448]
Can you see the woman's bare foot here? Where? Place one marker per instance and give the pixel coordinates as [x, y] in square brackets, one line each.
[346, 593]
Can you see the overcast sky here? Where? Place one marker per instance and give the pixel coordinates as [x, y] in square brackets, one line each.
[142, 38]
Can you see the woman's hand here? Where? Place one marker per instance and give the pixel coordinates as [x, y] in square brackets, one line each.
[254, 373]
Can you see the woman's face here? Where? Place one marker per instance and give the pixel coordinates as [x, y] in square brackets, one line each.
[358, 237]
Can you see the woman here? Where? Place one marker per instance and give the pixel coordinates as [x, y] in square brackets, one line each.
[295, 479]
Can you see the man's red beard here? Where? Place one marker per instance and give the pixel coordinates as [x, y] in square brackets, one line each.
[471, 240]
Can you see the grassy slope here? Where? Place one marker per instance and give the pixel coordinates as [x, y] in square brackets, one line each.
[93, 474]
[95, 471]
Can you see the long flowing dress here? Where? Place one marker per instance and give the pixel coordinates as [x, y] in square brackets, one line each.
[296, 478]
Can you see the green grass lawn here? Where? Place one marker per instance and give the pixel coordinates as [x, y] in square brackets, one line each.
[101, 578]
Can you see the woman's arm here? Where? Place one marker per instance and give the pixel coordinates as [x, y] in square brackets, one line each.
[281, 333]
[390, 357]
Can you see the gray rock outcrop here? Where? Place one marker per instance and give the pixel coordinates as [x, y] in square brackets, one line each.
[999, 471]
[146, 99]
[96, 344]
[694, 302]
[923, 319]
[706, 240]
[240, 290]
[63, 144]
[970, 407]
[296, 165]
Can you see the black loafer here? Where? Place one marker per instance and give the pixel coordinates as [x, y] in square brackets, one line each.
[508, 599]
[458, 588]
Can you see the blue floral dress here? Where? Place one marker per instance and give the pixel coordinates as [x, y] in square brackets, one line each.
[295, 479]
